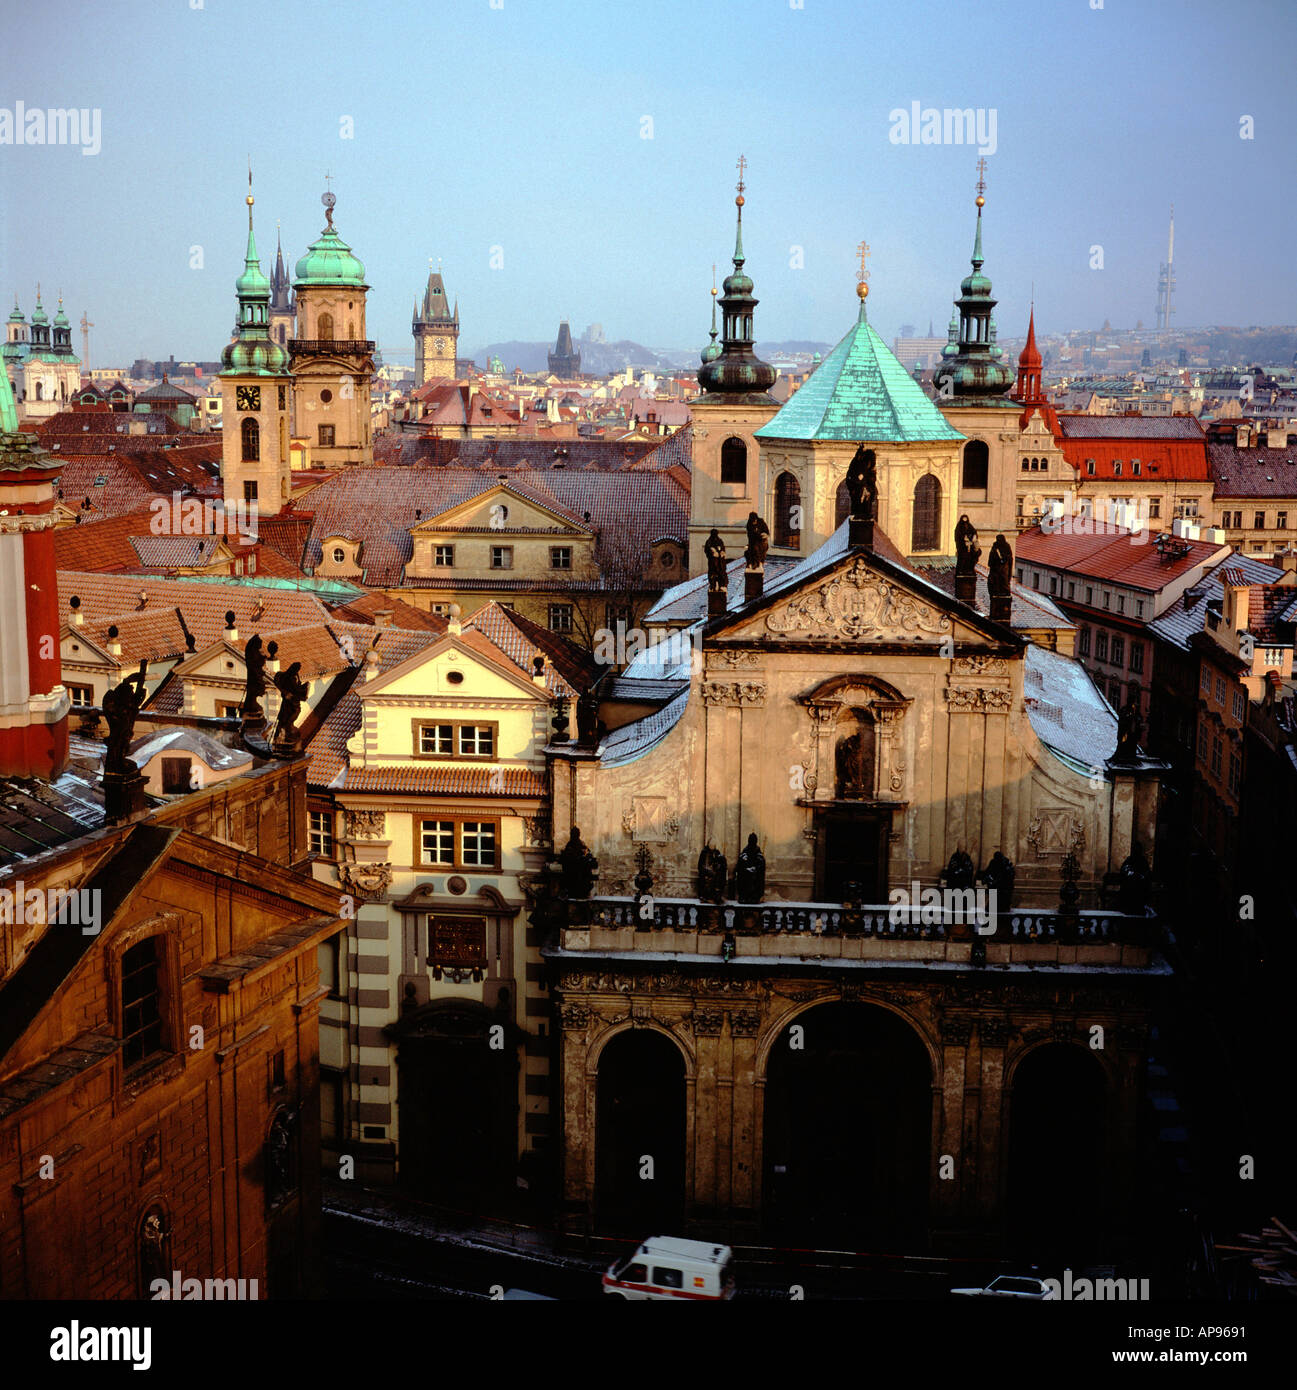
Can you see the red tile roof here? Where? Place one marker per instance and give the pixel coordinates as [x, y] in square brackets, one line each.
[447, 781]
[1123, 557]
[569, 669]
[1259, 472]
[404, 615]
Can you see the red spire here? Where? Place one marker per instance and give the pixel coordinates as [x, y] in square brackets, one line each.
[1030, 355]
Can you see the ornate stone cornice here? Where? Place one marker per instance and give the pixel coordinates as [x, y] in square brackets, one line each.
[745, 693]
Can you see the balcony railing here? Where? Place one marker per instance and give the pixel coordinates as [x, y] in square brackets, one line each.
[337, 347]
[879, 920]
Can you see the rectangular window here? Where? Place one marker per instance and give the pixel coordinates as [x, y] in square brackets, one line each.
[1215, 757]
[1118, 656]
[81, 694]
[668, 1278]
[467, 844]
[1235, 774]
[227, 709]
[1137, 657]
[321, 833]
[477, 842]
[443, 556]
[1139, 607]
[1053, 585]
[560, 617]
[1121, 603]
[1202, 741]
[250, 491]
[502, 557]
[560, 557]
[1239, 706]
[436, 740]
[1089, 596]
[1134, 468]
[1101, 646]
[1258, 521]
[175, 776]
[1083, 644]
[1220, 690]
[438, 841]
[1107, 599]
[1154, 507]
[326, 434]
[1071, 589]
[1281, 521]
[141, 1002]
[1089, 468]
[477, 740]
[1116, 469]
[1205, 683]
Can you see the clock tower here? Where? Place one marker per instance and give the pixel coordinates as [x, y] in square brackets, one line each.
[436, 333]
[255, 387]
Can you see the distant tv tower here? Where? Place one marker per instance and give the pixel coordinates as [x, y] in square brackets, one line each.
[1166, 280]
[86, 326]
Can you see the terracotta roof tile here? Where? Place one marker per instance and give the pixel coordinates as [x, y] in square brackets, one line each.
[1124, 557]
[446, 781]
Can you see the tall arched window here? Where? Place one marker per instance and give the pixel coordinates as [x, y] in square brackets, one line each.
[324, 326]
[926, 532]
[734, 461]
[788, 522]
[251, 441]
[841, 505]
[977, 466]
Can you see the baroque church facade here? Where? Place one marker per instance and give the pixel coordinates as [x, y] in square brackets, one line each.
[758, 1034]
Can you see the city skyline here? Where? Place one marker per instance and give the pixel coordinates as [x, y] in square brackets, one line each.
[549, 202]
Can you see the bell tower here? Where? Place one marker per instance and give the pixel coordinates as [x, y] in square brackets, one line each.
[735, 403]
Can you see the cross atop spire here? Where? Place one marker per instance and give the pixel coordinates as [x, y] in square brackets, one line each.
[981, 175]
[742, 168]
[862, 279]
[328, 177]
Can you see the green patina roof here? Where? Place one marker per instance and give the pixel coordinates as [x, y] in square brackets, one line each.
[860, 392]
[329, 261]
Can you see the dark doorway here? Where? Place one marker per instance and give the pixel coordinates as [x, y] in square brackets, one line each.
[852, 849]
[458, 1104]
[1057, 1175]
[640, 1136]
[847, 1131]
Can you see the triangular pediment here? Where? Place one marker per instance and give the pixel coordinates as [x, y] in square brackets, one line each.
[862, 599]
[500, 508]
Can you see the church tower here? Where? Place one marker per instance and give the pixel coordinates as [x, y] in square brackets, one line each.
[736, 401]
[436, 333]
[972, 382]
[283, 307]
[255, 388]
[331, 359]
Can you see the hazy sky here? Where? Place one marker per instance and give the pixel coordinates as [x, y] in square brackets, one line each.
[520, 125]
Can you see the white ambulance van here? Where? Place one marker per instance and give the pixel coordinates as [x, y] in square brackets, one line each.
[664, 1267]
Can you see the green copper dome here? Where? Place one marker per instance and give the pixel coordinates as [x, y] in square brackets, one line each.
[253, 352]
[61, 319]
[736, 370]
[972, 370]
[39, 316]
[329, 262]
[252, 281]
[16, 315]
[254, 357]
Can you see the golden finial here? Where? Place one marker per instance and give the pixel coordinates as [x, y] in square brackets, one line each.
[862, 280]
[981, 182]
[713, 281]
[742, 166]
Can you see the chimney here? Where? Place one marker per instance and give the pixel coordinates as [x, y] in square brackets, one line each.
[383, 617]
[1287, 562]
[74, 603]
[1234, 602]
[1242, 434]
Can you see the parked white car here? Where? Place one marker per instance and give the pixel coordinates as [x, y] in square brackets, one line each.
[1010, 1286]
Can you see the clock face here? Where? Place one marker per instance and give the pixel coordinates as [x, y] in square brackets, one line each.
[441, 345]
[248, 397]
